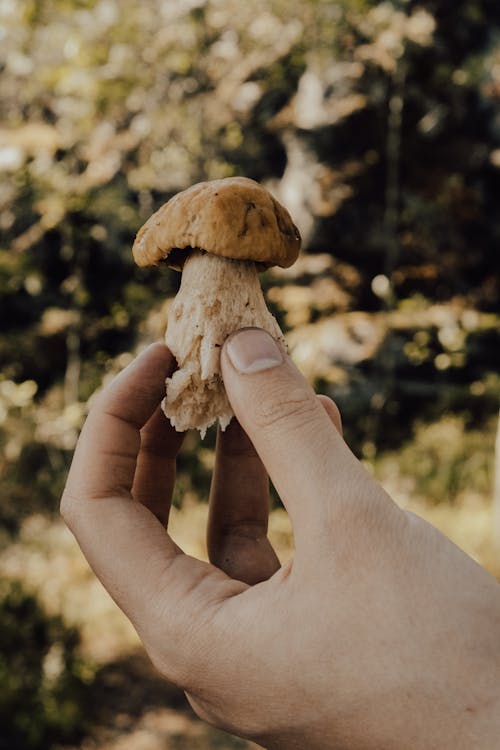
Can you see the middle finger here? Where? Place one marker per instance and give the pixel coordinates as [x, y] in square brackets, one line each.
[239, 510]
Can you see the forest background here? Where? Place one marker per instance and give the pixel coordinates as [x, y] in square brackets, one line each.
[378, 125]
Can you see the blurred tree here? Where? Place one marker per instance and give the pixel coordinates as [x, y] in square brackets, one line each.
[496, 491]
[375, 122]
[41, 685]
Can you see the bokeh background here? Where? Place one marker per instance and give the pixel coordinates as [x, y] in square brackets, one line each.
[378, 125]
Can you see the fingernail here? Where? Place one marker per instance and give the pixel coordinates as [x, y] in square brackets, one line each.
[253, 350]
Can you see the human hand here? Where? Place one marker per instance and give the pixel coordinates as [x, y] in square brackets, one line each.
[380, 635]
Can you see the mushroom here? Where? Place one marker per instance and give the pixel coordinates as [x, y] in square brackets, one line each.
[220, 234]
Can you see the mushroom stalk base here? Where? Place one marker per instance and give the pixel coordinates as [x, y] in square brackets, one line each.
[217, 296]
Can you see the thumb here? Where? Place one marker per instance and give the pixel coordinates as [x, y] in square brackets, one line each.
[306, 458]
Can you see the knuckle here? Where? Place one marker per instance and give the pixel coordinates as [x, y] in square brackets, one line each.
[65, 507]
[67, 510]
[295, 407]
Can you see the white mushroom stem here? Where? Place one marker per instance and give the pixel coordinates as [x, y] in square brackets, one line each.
[217, 296]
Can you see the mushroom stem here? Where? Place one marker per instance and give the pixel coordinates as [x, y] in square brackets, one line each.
[217, 296]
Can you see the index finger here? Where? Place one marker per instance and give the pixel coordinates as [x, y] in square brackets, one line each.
[160, 589]
[123, 541]
[154, 478]
[106, 454]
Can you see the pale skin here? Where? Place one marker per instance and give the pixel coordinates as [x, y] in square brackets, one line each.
[381, 635]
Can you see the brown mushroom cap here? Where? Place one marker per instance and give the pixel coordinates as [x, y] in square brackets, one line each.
[234, 217]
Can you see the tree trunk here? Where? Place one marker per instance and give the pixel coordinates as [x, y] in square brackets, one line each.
[73, 366]
[496, 492]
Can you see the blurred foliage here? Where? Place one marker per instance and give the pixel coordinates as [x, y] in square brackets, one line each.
[445, 463]
[42, 680]
[376, 123]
